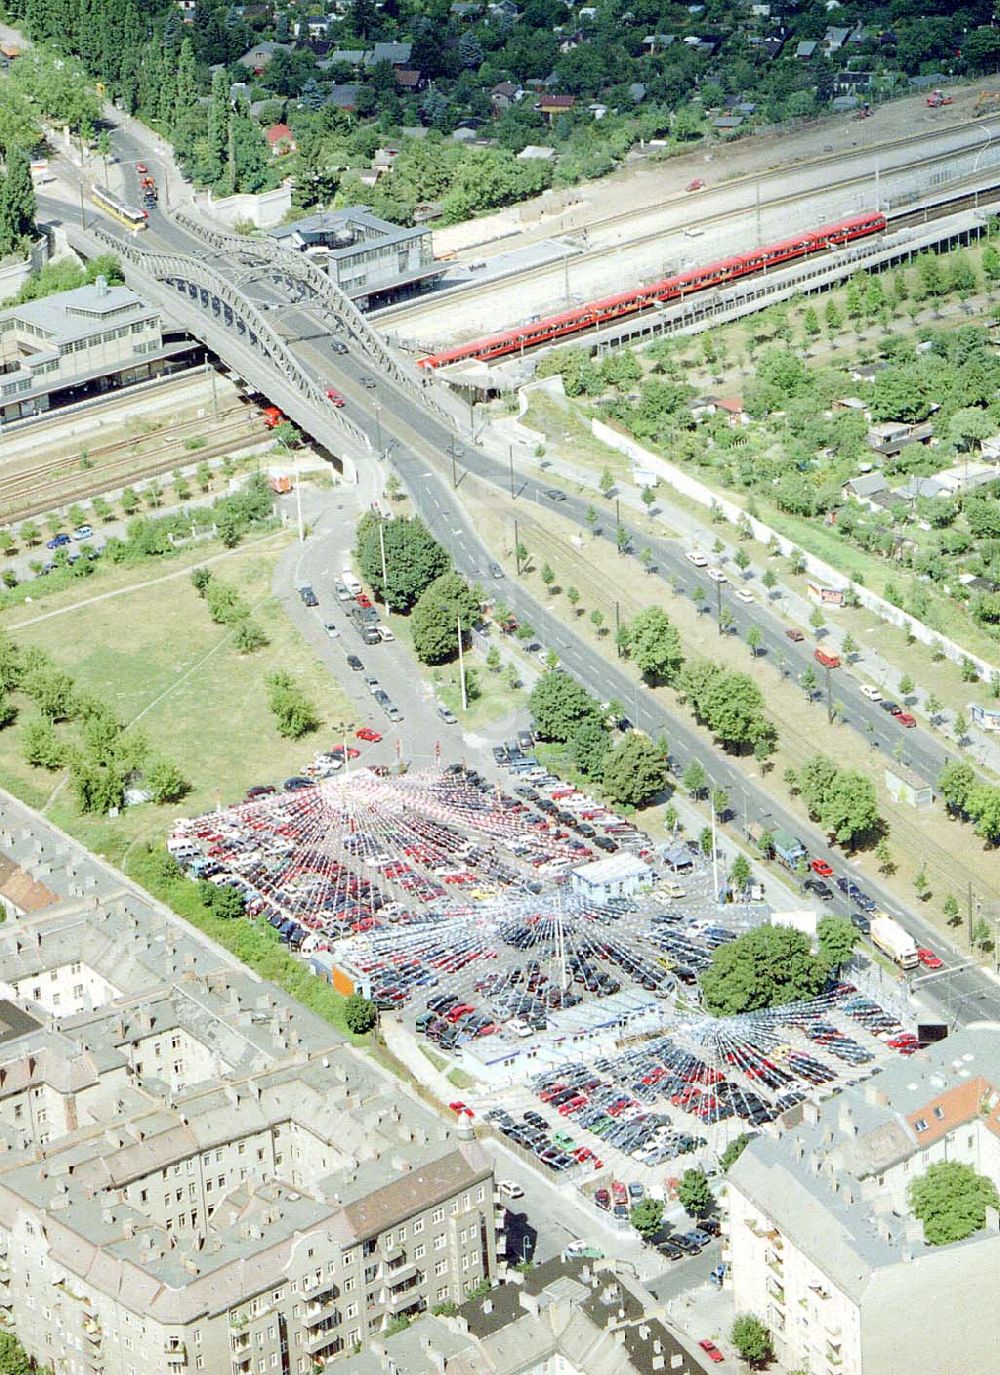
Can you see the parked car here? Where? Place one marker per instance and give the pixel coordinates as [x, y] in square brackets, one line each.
[334, 397]
[308, 596]
[826, 660]
[872, 693]
[906, 720]
[57, 541]
[711, 1350]
[697, 185]
[928, 958]
[83, 532]
[366, 733]
[447, 716]
[354, 662]
[794, 634]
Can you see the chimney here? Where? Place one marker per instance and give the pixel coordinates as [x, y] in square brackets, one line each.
[810, 1113]
[487, 1305]
[101, 286]
[845, 1118]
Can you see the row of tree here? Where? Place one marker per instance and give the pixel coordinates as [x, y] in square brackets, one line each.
[966, 795]
[103, 754]
[631, 772]
[842, 801]
[227, 607]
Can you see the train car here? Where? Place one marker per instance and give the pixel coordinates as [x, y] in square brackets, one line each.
[125, 214]
[605, 311]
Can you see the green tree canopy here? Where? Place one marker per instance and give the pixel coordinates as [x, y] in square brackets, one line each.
[445, 604]
[653, 645]
[694, 1193]
[560, 705]
[635, 771]
[646, 1216]
[766, 967]
[951, 1199]
[413, 558]
[752, 1340]
[590, 747]
[734, 1150]
[837, 938]
[360, 1014]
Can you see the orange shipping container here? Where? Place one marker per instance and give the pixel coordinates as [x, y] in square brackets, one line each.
[342, 982]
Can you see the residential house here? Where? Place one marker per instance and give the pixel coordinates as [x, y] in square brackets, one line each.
[805, 50]
[986, 718]
[504, 95]
[892, 437]
[257, 58]
[280, 140]
[726, 124]
[834, 39]
[732, 408]
[407, 79]
[536, 152]
[554, 105]
[396, 54]
[864, 486]
[342, 57]
[637, 92]
[344, 95]
[656, 42]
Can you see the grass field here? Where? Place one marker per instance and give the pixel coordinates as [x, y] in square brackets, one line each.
[153, 654]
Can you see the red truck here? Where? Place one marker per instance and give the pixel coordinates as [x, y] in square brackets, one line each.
[827, 660]
[272, 417]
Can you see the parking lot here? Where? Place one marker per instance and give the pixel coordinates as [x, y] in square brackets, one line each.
[455, 903]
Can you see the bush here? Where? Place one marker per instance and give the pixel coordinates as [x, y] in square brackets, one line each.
[294, 714]
[360, 1014]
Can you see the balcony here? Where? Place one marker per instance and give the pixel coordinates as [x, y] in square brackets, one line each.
[175, 1352]
[318, 1315]
[404, 1298]
[776, 1291]
[92, 1332]
[405, 1274]
[774, 1263]
[240, 1342]
[319, 1341]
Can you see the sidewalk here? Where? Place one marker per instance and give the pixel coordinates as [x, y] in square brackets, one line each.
[503, 437]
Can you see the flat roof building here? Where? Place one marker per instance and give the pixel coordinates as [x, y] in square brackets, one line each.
[62, 346]
[372, 261]
[617, 876]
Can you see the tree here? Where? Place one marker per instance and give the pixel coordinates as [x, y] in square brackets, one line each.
[165, 781]
[294, 714]
[751, 1338]
[733, 1151]
[961, 725]
[248, 636]
[413, 558]
[493, 659]
[809, 681]
[720, 802]
[573, 597]
[956, 782]
[635, 771]
[837, 938]
[228, 903]
[906, 685]
[597, 619]
[920, 885]
[984, 808]
[360, 1014]
[951, 1199]
[754, 638]
[694, 1194]
[17, 204]
[560, 705]
[733, 708]
[950, 909]
[766, 967]
[740, 873]
[41, 746]
[654, 645]
[695, 778]
[445, 605]
[14, 1360]
[816, 618]
[646, 1216]
[606, 482]
[548, 575]
[30, 534]
[883, 857]
[590, 747]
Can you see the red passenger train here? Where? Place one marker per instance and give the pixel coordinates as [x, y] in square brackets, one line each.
[610, 308]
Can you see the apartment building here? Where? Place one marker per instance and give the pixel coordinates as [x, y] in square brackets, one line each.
[73, 343]
[372, 261]
[566, 1317]
[195, 1172]
[823, 1244]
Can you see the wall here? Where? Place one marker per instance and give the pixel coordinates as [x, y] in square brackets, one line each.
[265, 210]
[697, 491]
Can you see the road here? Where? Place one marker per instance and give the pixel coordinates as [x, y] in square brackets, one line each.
[416, 440]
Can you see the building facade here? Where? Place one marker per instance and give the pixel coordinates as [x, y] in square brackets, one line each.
[196, 1173]
[75, 342]
[372, 261]
[823, 1243]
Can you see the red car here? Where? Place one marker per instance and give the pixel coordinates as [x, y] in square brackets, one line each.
[928, 958]
[364, 601]
[342, 751]
[459, 1010]
[795, 635]
[461, 1109]
[905, 719]
[602, 1198]
[366, 733]
[820, 866]
[334, 397]
[711, 1350]
[141, 168]
[696, 185]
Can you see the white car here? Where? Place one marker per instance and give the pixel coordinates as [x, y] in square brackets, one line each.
[744, 594]
[872, 693]
[385, 632]
[717, 575]
[696, 557]
[332, 630]
[506, 1188]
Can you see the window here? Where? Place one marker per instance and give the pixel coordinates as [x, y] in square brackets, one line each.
[939, 1113]
[419, 1251]
[437, 1215]
[441, 1267]
[480, 1194]
[439, 1242]
[418, 1226]
[920, 1124]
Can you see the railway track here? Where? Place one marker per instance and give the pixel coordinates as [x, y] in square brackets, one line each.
[32, 492]
[409, 312]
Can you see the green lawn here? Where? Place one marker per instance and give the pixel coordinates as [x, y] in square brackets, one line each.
[154, 654]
